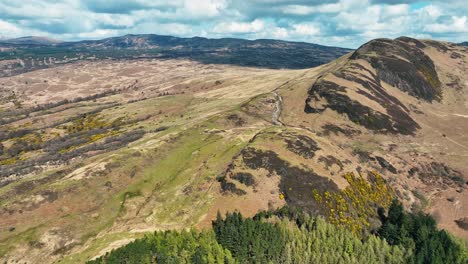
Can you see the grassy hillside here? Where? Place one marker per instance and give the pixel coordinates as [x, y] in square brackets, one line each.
[97, 153]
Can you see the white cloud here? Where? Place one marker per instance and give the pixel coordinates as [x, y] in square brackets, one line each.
[306, 29]
[115, 20]
[40, 9]
[239, 27]
[329, 8]
[395, 10]
[299, 9]
[207, 8]
[97, 34]
[306, 10]
[456, 25]
[432, 11]
[354, 4]
[341, 22]
[176, 29]
[9, 29]
[280, 33]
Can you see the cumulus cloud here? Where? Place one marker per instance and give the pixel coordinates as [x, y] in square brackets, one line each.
[306, 29]
[347, 23]
[9, 29]
[307, 10]
[208, 8]
[280, 33]
[239, 27]
[455, 25]
[115, 6]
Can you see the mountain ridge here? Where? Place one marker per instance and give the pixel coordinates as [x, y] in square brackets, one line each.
[99, 152]
[274, 54]
[50, 41]
[31, 40]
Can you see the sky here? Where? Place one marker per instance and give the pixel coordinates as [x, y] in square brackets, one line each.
[344, 23]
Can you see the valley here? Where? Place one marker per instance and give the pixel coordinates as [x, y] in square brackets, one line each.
[98, 153]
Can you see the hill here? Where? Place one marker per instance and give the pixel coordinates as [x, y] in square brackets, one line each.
[31, 40]
[23, 55]
[99, 152]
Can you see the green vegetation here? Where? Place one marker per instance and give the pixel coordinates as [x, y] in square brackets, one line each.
[85, 123]
[251, 241]
[418, 231]
[354, 206]
[171, 247]
[291, 236]
[430, 74]
[258, 53]
[313, 240]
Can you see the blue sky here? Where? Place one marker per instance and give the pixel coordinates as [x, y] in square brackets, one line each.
[346, 23]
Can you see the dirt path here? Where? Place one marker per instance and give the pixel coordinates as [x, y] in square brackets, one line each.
[277, 110]
[466, 116]
[442, 114]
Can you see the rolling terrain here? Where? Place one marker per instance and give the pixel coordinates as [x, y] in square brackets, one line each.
[31, 53]
[95, 153]
[31, 40]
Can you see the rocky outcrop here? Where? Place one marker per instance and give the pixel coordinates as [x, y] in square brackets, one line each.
[403, 64]
[396, 120]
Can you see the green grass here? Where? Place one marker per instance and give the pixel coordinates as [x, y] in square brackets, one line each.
[192, 158]
[179, 168]
[423, 201]
[97, 245]
[26, 236]
[173, 167]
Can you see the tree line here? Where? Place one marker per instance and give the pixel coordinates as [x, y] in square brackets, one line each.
[290, 236]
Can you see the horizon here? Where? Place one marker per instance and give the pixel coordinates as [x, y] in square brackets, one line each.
[340, 23]
[190, 37]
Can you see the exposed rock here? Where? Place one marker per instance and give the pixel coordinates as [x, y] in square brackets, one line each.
[436, 172]
[403, 65]
[356, 112]
[386, 165]
[330, 161]
[300, 144]
[462, 223]
[236, 119]
[244, 178]
[296, 183]
[230, 187]
[328, 129]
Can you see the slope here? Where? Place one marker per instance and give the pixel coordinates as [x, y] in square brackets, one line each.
[127, 147]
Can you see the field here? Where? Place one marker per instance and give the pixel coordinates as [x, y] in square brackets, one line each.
[165, 179]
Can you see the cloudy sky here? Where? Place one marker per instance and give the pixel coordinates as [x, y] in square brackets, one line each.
[346, 23]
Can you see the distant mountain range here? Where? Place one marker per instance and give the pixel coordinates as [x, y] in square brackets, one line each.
[464, 43]
[31, 40]
[258, 53]
[39, 52]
